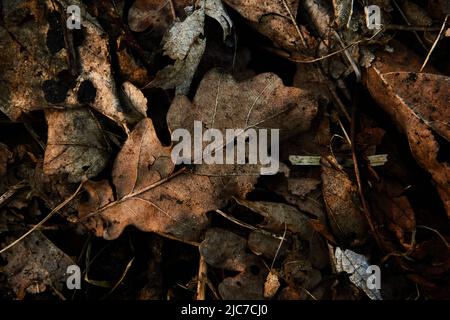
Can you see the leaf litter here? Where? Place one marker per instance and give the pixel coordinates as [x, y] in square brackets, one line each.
[95, 107]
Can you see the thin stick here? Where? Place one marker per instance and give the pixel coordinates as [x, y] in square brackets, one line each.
[11, 191]
[294, 22]
[202, 278]
[59, 207]
[246, 225]
[434, 44]
[172, 10]
[279, 247]
[407, 21]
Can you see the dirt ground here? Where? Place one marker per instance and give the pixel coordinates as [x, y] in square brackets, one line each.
[352, 98]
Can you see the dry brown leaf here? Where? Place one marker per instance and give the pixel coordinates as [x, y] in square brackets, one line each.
[231, 256]
[271, 19]
[248, 284]
[418, 104]
[279, 215]
[135, 101]
[185, 44]
[341, 200]
[267, 246]
[31, 49]
[35, 265]
[223, 103]
[176, 207]
[75, 146]
[299, 273]
[302, 186]
[271, 285]
[155, 14]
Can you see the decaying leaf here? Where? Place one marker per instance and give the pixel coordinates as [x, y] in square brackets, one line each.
[277, 215]
[135, 100]
[262, 102]
[31, 52]
[302, 186]
[341, 200]
[76, 145]
[185, 44]
[155, 14]
[35, 265]
[356, 266]
[418, 104]
[175, 207]
[271, 285]
[248, 284]
[272, 20]
[299, 272]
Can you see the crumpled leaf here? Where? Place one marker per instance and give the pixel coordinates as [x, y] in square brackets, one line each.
[341, 199]
[355, 265]
[263, 101]
[248, 284]
[35, 265]
[75, 145]
[277, 215]
[300, 274]
[175, 207]
[271, 285]
[418, 104]
[185, 44]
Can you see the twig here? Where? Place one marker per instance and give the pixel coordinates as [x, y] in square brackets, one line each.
[434, 44]
[248, 226]
[59, 207]
[202, 278]
[11, 191]
[294, 23]
[279, 247]
[172, 10]
[437, 232]
[409, 24]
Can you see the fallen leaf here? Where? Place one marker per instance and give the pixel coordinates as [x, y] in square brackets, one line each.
[272, 20]
[356, 266]
[223, 103]
[75, 145]
[271, 285]
[341, 200]
[267, 246]
[279, 215]
[299, 273]
[175, 207]
[418, 105]
[135, 100]
[35, 265]
[248, 284]
[31, 49]
[185, 44]
[302, 186]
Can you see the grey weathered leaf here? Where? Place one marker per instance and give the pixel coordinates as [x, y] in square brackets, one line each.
[356, 266]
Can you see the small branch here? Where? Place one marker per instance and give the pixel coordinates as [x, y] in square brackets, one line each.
[434, 44]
